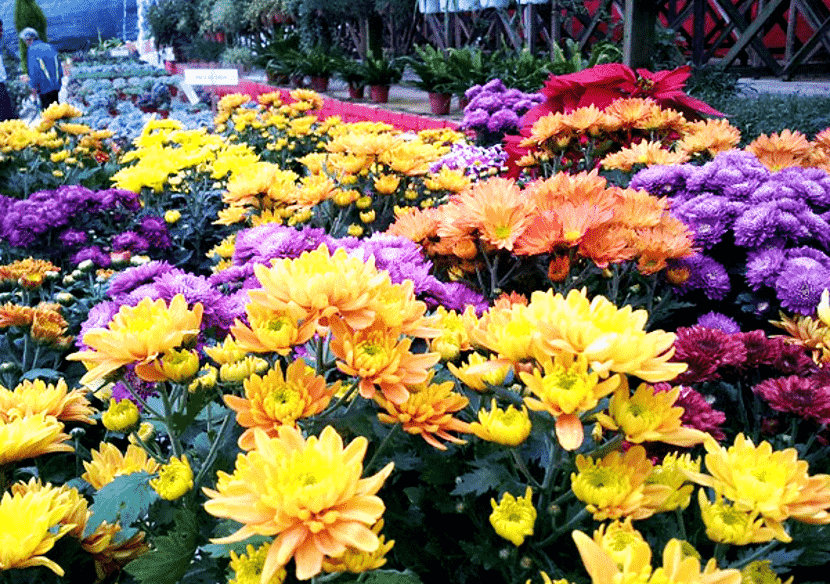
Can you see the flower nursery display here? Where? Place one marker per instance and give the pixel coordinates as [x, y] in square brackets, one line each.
[272, 346]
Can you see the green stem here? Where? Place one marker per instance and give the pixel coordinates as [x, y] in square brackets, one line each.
[167, 420]
[140, 399]
[213, 452]
[520, 464]
[681, 524]
[578, 518]
[759, 553]
[380, 448]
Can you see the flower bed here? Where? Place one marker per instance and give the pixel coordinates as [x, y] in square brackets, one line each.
[288, 347]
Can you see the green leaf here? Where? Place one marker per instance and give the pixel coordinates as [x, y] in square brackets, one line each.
[387, 577]
[479, 481]
[171, 556]
[42, 373]
[124, 500]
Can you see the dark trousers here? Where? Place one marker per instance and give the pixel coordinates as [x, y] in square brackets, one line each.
[7, 111]
[47, 99]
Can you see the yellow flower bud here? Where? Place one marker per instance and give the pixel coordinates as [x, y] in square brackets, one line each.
[364, 202]
[355, 230]
[367, 216]
[172, 216]
[510, 426]
[121, 416]
[174, 480]
[513, 518]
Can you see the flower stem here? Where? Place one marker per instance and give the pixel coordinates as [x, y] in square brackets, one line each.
[759, 553]
[213, 452]
[167, 420]
[578, 518]
[380, 448]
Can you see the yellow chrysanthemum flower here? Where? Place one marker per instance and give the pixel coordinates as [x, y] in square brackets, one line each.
[30, 437]
[76, 509]
[776, 484]
[566, 390]
[108, 462]
[138, 334]
[31, 397]
[445, 179]
[274, 400]
[240, 370]
[678, 566]
[510, 426]
[824, 308]
[307, 492]
[513, 518]
[29, 528]
[356, 561]
[649, 416]
[624, 544]
[121, 416]
[247, 567]
[759, 572]
[175, 479]
[726, 524]
[427, 412]
[176, 365]
[111, 553]
[670, 472]
[615, 486]
[386, 184]
[478, 372]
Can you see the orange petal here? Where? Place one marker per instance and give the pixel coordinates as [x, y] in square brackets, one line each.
[569, 431]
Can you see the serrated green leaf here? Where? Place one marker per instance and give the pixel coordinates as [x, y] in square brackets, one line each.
[223, 550]
[478, 481]
[171, 555]
[387, 577]
[124, 500]
[42, 373]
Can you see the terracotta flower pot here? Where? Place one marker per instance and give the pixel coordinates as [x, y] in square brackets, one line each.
[356, 92]
[439, 103]
[379, 93]
[319, 84]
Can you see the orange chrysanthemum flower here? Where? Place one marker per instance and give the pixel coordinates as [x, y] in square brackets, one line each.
[49, 326]
[29, 273]
[379, 357]
[138, 334]
[586, 120]
[108, 462]
[111, 553]
[637, 208]
[16, 315]
[306, 492]
[711, 136]
[274, 400]
[645, 152]
[33, 397]
[783, 150]
[607, 245]
[549, 128]
[670, 239]
[630, 112]
[428, 412]
[415, 224]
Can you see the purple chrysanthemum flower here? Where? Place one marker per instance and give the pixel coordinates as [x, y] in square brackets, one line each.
[98, 317]
[486, 101]
[473, 91]
[494, 85]
[456, 296]
[707, 275]
[72, 238]
[94, 254]
[130, 241]
[475, 118]
[709, 216]
[662, 181]
[266, 242]
[735, 174]
[717, 320]
[154, 230]
[131, 278]
[800, 284]
[762, 265]
[144, 389]
[504, 120]
[196, 289]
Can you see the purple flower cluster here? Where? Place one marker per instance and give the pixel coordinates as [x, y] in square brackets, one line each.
[495, 110]
[161, 280]
[774, 227]
[401, 258]
[477, 162]
[81, 223]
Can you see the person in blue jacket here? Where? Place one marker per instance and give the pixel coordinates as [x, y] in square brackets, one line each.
[45, 71]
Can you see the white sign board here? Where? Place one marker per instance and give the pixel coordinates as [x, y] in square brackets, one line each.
[120, 52]
[211, 76]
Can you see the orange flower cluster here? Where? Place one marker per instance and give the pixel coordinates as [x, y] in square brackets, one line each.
[44, 321]
[627, 132]
[789, 149]
[604, 224]
[29, 273]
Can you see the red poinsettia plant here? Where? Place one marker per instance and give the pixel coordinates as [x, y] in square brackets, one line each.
[600, 86]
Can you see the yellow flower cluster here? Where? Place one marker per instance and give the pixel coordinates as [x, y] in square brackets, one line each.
[765, 488]
[308, 493]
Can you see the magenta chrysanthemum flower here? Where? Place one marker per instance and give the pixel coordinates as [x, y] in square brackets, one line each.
[789, 359]
[760, 350]
[698, 413]
[801, 396]
[706, 350]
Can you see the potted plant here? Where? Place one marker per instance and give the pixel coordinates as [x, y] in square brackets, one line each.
[283, 67]
[380, 73]
[352, 73]
[319, 64]
[469, 67]
[434, 76]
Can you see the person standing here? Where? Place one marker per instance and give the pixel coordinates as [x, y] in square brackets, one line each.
[45, 72]
[6, 109]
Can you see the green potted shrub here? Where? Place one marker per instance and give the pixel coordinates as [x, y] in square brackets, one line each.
[380, 73]
[468, 66]
[435, 76]
[319, 64]
[351, 71]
